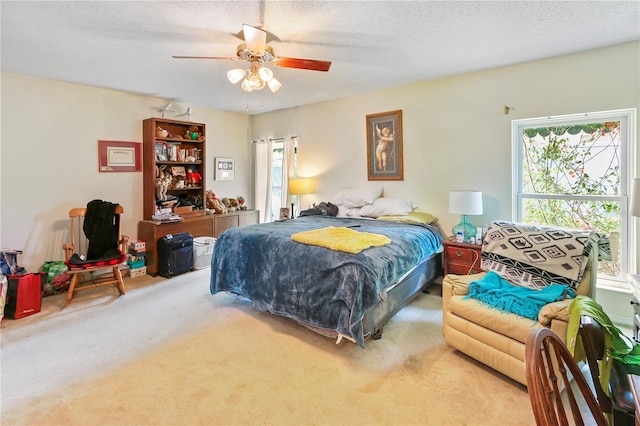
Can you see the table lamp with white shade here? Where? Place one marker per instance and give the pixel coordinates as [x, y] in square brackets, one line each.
[465, 203]
[301, 187]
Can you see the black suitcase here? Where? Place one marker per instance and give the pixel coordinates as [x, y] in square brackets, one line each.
[175, 254]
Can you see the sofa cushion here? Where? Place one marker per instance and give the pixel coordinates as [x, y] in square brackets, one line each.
[461, 283]
[554, 311]
[507, 324]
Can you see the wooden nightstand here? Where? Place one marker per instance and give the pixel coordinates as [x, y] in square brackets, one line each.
[461, 258]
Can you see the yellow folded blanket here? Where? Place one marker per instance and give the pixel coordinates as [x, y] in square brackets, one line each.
[341, 239]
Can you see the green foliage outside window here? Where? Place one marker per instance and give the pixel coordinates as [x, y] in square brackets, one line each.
[581, 160]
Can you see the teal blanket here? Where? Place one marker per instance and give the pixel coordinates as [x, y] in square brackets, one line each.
[524, 301]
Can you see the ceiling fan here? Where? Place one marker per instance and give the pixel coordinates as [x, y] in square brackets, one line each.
[256, 51]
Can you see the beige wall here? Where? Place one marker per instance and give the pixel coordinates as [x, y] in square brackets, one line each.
[49, 160]
[456, 136]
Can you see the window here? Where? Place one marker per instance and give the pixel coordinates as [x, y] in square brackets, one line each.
[273, 159]
[574, 171]
[277, 157]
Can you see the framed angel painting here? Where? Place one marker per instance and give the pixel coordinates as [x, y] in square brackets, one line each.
[384, 146]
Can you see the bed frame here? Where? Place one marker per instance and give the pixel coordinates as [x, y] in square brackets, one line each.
[400, 295]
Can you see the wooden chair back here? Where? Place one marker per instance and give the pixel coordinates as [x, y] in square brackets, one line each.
[559, 392]
[83, 277]
[79, 243]
[618, 401]
[592, 337]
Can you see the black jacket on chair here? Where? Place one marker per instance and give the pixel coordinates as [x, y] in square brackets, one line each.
[101, 224]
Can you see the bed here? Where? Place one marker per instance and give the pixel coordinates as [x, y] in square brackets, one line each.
[332, 292]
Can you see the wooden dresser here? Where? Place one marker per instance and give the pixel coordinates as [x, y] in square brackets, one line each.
[198, 226]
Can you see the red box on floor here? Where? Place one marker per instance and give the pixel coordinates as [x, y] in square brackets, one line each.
[24, 295]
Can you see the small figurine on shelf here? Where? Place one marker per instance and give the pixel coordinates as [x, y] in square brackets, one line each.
[162, 184]
[193, 177]
[178, 182]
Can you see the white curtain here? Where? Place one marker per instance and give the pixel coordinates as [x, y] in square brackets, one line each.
[287, 161]
[262, 185]
[264, 178]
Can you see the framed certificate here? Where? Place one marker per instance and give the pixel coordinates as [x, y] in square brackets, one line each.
[119, 156]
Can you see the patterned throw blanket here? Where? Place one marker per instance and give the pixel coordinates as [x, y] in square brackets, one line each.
[536, 256]
[504, 296]
[341, 239]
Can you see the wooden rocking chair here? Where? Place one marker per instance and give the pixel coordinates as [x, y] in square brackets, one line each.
[104, 269]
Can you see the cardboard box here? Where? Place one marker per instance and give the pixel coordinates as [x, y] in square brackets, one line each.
[137, 272]
[137, 245]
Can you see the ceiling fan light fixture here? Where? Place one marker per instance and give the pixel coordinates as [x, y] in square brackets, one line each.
[265, 73]
[258, 53]
[235, 75]
[274, 85]
[256, 82]
[246, 86]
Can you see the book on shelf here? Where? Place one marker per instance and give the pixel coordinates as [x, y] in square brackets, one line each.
[166, 218]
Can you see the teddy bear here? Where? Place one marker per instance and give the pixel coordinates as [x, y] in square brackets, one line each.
[227, 204]
[233, 205]
[241, 205]
[193, 133]
[214, 203]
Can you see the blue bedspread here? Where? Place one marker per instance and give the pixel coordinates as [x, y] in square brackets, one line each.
[314, 285]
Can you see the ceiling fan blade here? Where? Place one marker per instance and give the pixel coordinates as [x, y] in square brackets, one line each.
[305, 64]
[205, 57]
[255, 39]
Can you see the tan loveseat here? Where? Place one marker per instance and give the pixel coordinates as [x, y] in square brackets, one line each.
[495, 338]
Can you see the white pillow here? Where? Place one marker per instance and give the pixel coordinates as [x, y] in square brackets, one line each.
[386, 207]
[351, 198]
[344, 211]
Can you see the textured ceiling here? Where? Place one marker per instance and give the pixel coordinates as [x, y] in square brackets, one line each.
[127, 45]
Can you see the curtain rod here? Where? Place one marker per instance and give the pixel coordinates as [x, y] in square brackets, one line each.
[271, 140]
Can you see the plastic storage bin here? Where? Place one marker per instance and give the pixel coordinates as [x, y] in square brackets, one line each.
[136, 262]
[202, 252]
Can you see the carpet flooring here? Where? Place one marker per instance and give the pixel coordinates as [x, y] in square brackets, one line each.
[168, 352]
